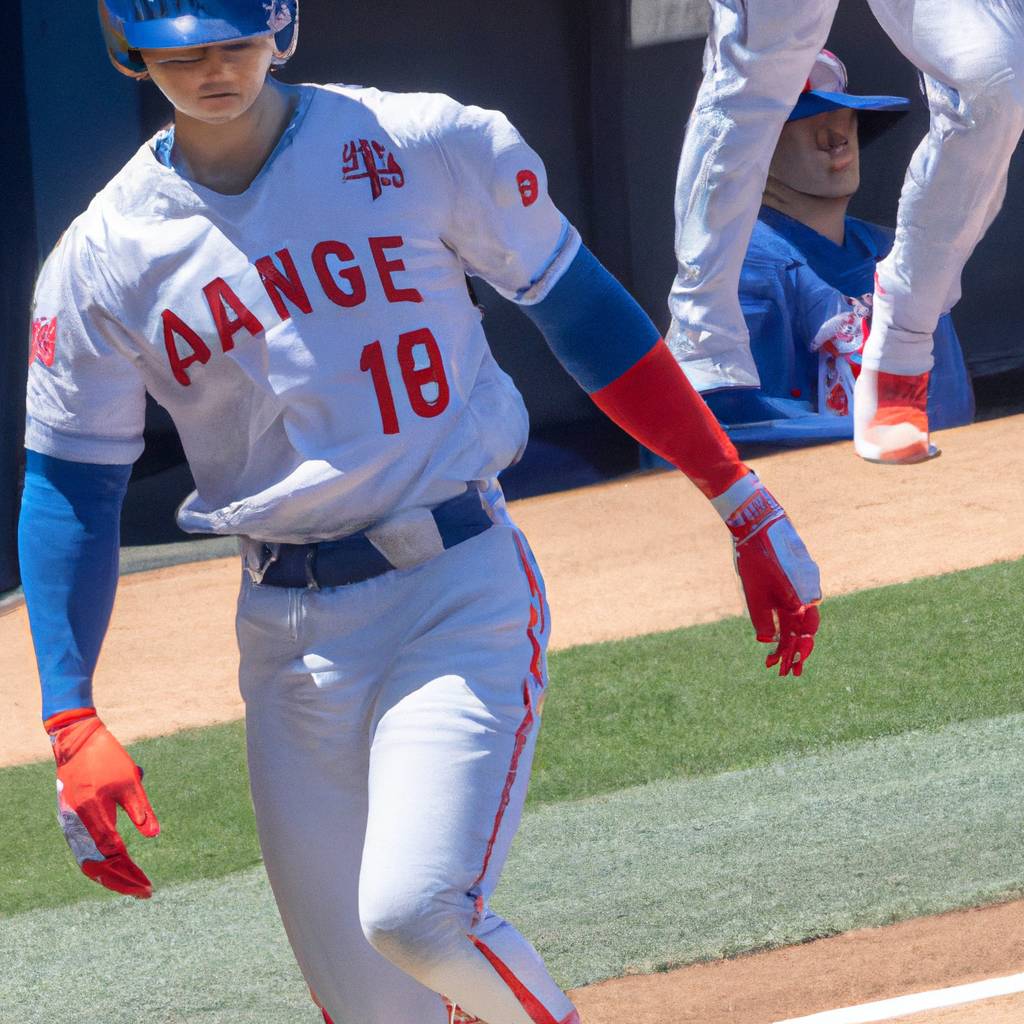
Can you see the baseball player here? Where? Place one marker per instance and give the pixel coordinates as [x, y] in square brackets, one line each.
[808, 277]
[284, 271]
[758, 58]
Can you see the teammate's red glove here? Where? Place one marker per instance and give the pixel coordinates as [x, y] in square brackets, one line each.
[95, 775]
[890, 418]
[780, 580]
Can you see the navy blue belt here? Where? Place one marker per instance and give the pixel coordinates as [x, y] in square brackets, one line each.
[353, 559]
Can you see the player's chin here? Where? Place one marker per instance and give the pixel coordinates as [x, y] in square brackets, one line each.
[217, 109]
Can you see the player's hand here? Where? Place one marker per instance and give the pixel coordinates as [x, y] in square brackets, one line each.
[890, 418]
[94, 776]
[780, 579]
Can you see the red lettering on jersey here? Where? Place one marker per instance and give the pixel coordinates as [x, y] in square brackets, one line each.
[416, 380]
[288, 284]
[44, 340]
[386, 267]
[353, 275]
[218, 292]
[372, 360]
[379, 165]
[529, 187]
[173, 324]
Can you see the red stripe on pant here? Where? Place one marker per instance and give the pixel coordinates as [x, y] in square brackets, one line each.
[506, 793]
[537, 616]
[531, 1004]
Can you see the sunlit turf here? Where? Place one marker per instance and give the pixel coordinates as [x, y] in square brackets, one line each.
[693, 702]
[699, 701]
[199, 787]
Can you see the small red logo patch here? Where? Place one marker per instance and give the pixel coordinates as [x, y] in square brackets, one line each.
[529, 189]
[366, 158]
[44, 340]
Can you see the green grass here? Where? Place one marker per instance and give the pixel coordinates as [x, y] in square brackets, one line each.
[686, 704]
[698, 701]
[198, 784]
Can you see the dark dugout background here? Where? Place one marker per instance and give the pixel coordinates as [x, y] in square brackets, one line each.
[607, 119]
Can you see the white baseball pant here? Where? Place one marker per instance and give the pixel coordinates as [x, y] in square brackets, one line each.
[758, 57]
[391, 726]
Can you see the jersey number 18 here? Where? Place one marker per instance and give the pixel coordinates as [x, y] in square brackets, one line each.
[420, 382]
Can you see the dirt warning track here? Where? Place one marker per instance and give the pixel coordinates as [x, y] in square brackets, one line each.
[848, 970]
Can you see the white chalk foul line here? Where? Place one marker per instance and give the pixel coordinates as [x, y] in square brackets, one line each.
[885, 1009]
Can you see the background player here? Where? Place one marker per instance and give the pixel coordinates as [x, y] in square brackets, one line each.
[758, 59]
[284, 271]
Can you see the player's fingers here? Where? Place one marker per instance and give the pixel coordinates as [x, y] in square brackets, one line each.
[119, 873]
[796, 641]
[782, 655]
[136, 804]
[804, 646]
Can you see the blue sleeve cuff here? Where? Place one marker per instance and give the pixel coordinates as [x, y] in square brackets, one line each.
[68, 546]
[593, 325]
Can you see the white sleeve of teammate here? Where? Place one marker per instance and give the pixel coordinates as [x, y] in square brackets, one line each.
[502, 223]
[86, 400]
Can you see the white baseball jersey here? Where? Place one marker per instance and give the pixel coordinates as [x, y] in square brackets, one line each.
[312, 338]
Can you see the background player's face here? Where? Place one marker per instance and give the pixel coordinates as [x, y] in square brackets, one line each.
[214, 83]
[819, 155]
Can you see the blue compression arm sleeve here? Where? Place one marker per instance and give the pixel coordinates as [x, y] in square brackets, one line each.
[593, 325]
[68, 545]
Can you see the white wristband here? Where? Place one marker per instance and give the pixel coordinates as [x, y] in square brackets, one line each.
[728, 501]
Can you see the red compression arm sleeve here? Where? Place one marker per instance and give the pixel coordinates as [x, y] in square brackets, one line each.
[655, 403]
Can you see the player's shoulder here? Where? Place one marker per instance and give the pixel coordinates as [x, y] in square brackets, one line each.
[102, 243]
[412, 118]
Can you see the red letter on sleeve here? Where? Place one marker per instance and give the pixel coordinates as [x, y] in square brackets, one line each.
[217, 293]
[386, 267]
[288, 284]
[173, 324]
[353, 275]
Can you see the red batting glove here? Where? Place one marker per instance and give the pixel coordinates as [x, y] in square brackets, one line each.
[890, 418]
[780, 580]
[94, 776]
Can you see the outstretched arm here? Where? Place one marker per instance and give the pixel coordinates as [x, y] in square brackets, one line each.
[68, 548]
[609, 345]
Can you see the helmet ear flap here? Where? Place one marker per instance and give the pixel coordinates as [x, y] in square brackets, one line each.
[128, 61]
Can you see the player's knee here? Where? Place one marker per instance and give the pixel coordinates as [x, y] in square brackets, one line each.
[411, 930]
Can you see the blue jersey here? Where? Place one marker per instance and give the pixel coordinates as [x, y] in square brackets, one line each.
[795, 282]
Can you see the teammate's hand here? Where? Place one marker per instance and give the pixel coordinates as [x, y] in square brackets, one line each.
[890, 418]
[94, 776]
[780, 579]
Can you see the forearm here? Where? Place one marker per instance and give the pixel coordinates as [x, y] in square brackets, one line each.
[609, 345]
[68, 548]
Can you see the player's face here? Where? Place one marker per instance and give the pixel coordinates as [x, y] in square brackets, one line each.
[214, 83]
[819, 155]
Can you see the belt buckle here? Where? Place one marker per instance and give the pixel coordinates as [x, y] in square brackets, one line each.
[268, 554]
[312, 583]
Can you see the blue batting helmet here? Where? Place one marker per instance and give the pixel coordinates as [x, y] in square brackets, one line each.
[133, 25]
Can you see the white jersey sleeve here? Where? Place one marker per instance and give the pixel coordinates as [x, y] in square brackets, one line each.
[503, 224]
[86, 399]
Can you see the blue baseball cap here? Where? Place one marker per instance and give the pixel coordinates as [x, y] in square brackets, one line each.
[826, 90]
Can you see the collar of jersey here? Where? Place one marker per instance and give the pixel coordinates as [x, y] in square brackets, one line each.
[163, 143]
